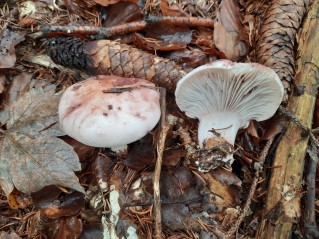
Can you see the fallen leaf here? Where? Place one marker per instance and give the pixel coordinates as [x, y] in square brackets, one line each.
[8, 39]
[62, 206]
[188, 58]
[34, 113]
[110, 2]
[30, 164]
[7, 235]
[18, 85]
[16, 200]
[31, 157]
[122, 12]
[229, 195]
[227, 177]
[65, 228]
[274, 126]
[170, 8]
[101, 171]
[230, 36]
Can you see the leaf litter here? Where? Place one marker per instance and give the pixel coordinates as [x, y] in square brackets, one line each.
[34, 155]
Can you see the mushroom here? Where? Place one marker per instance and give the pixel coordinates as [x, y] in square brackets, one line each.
[109, 111]
[224, 96]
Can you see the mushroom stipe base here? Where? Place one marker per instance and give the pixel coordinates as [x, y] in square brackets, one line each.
[215, 153]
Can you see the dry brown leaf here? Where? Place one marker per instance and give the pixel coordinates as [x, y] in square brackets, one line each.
[229, 195]
[101, 171]
[33, 113]
[122, 12]
[65, 228]
[151, 44]
[30, 164]
[58, 206]
[274, 126]
[170, 8]
[31, 157]
[110, 2]
[8, 39]
[230, 36]
[188, 58]
[7, 235]
[18, 86]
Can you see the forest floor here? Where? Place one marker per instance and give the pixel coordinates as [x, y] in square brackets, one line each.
[52, 186]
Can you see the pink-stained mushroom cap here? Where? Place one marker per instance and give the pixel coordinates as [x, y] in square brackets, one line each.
[225, 96]
[109, 111]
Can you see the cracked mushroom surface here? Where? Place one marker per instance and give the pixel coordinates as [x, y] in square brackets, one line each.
[109, 111]
[224, 96]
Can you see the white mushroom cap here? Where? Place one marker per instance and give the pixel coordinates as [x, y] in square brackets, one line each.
[225, 96]
[109, 111]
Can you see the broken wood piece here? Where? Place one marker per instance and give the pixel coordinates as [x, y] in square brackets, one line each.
[282, 209]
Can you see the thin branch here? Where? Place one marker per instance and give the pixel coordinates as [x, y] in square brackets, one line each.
[252, 191]
[157, 174]
[121, 29]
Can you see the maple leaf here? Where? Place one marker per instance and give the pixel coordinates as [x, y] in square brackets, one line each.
[31, 156]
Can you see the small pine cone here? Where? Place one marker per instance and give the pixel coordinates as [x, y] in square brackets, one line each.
[276, 42]
[105, 57]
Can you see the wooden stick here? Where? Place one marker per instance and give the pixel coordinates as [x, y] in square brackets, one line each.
[283, 207]
[311, 229]
[125, 28]
[157, 174]
[252, 191]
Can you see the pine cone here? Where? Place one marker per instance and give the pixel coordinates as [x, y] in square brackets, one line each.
[105, 57]
[276, 44]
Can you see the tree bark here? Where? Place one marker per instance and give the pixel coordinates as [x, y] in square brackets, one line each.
[282, 208]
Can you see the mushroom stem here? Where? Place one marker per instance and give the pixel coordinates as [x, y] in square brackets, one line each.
[218, 125]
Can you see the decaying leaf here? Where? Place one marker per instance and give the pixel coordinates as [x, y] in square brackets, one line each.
[110, 2]
[30, 12]
[122, 12]
[31, 156]
[34, 113]
[7, 235]
[30, 164]
[18, 86]
[276, 42]
[8, 40]
[230, 36]
[65, 228]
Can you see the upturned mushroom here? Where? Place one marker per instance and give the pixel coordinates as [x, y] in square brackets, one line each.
[224, 96]
[109, 111]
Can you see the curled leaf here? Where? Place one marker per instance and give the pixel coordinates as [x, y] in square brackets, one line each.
[230, 36]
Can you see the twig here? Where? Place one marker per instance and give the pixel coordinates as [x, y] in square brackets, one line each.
[252, 191]
[297, 122]
[121, 29]
[157, 174]
[310, 220]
